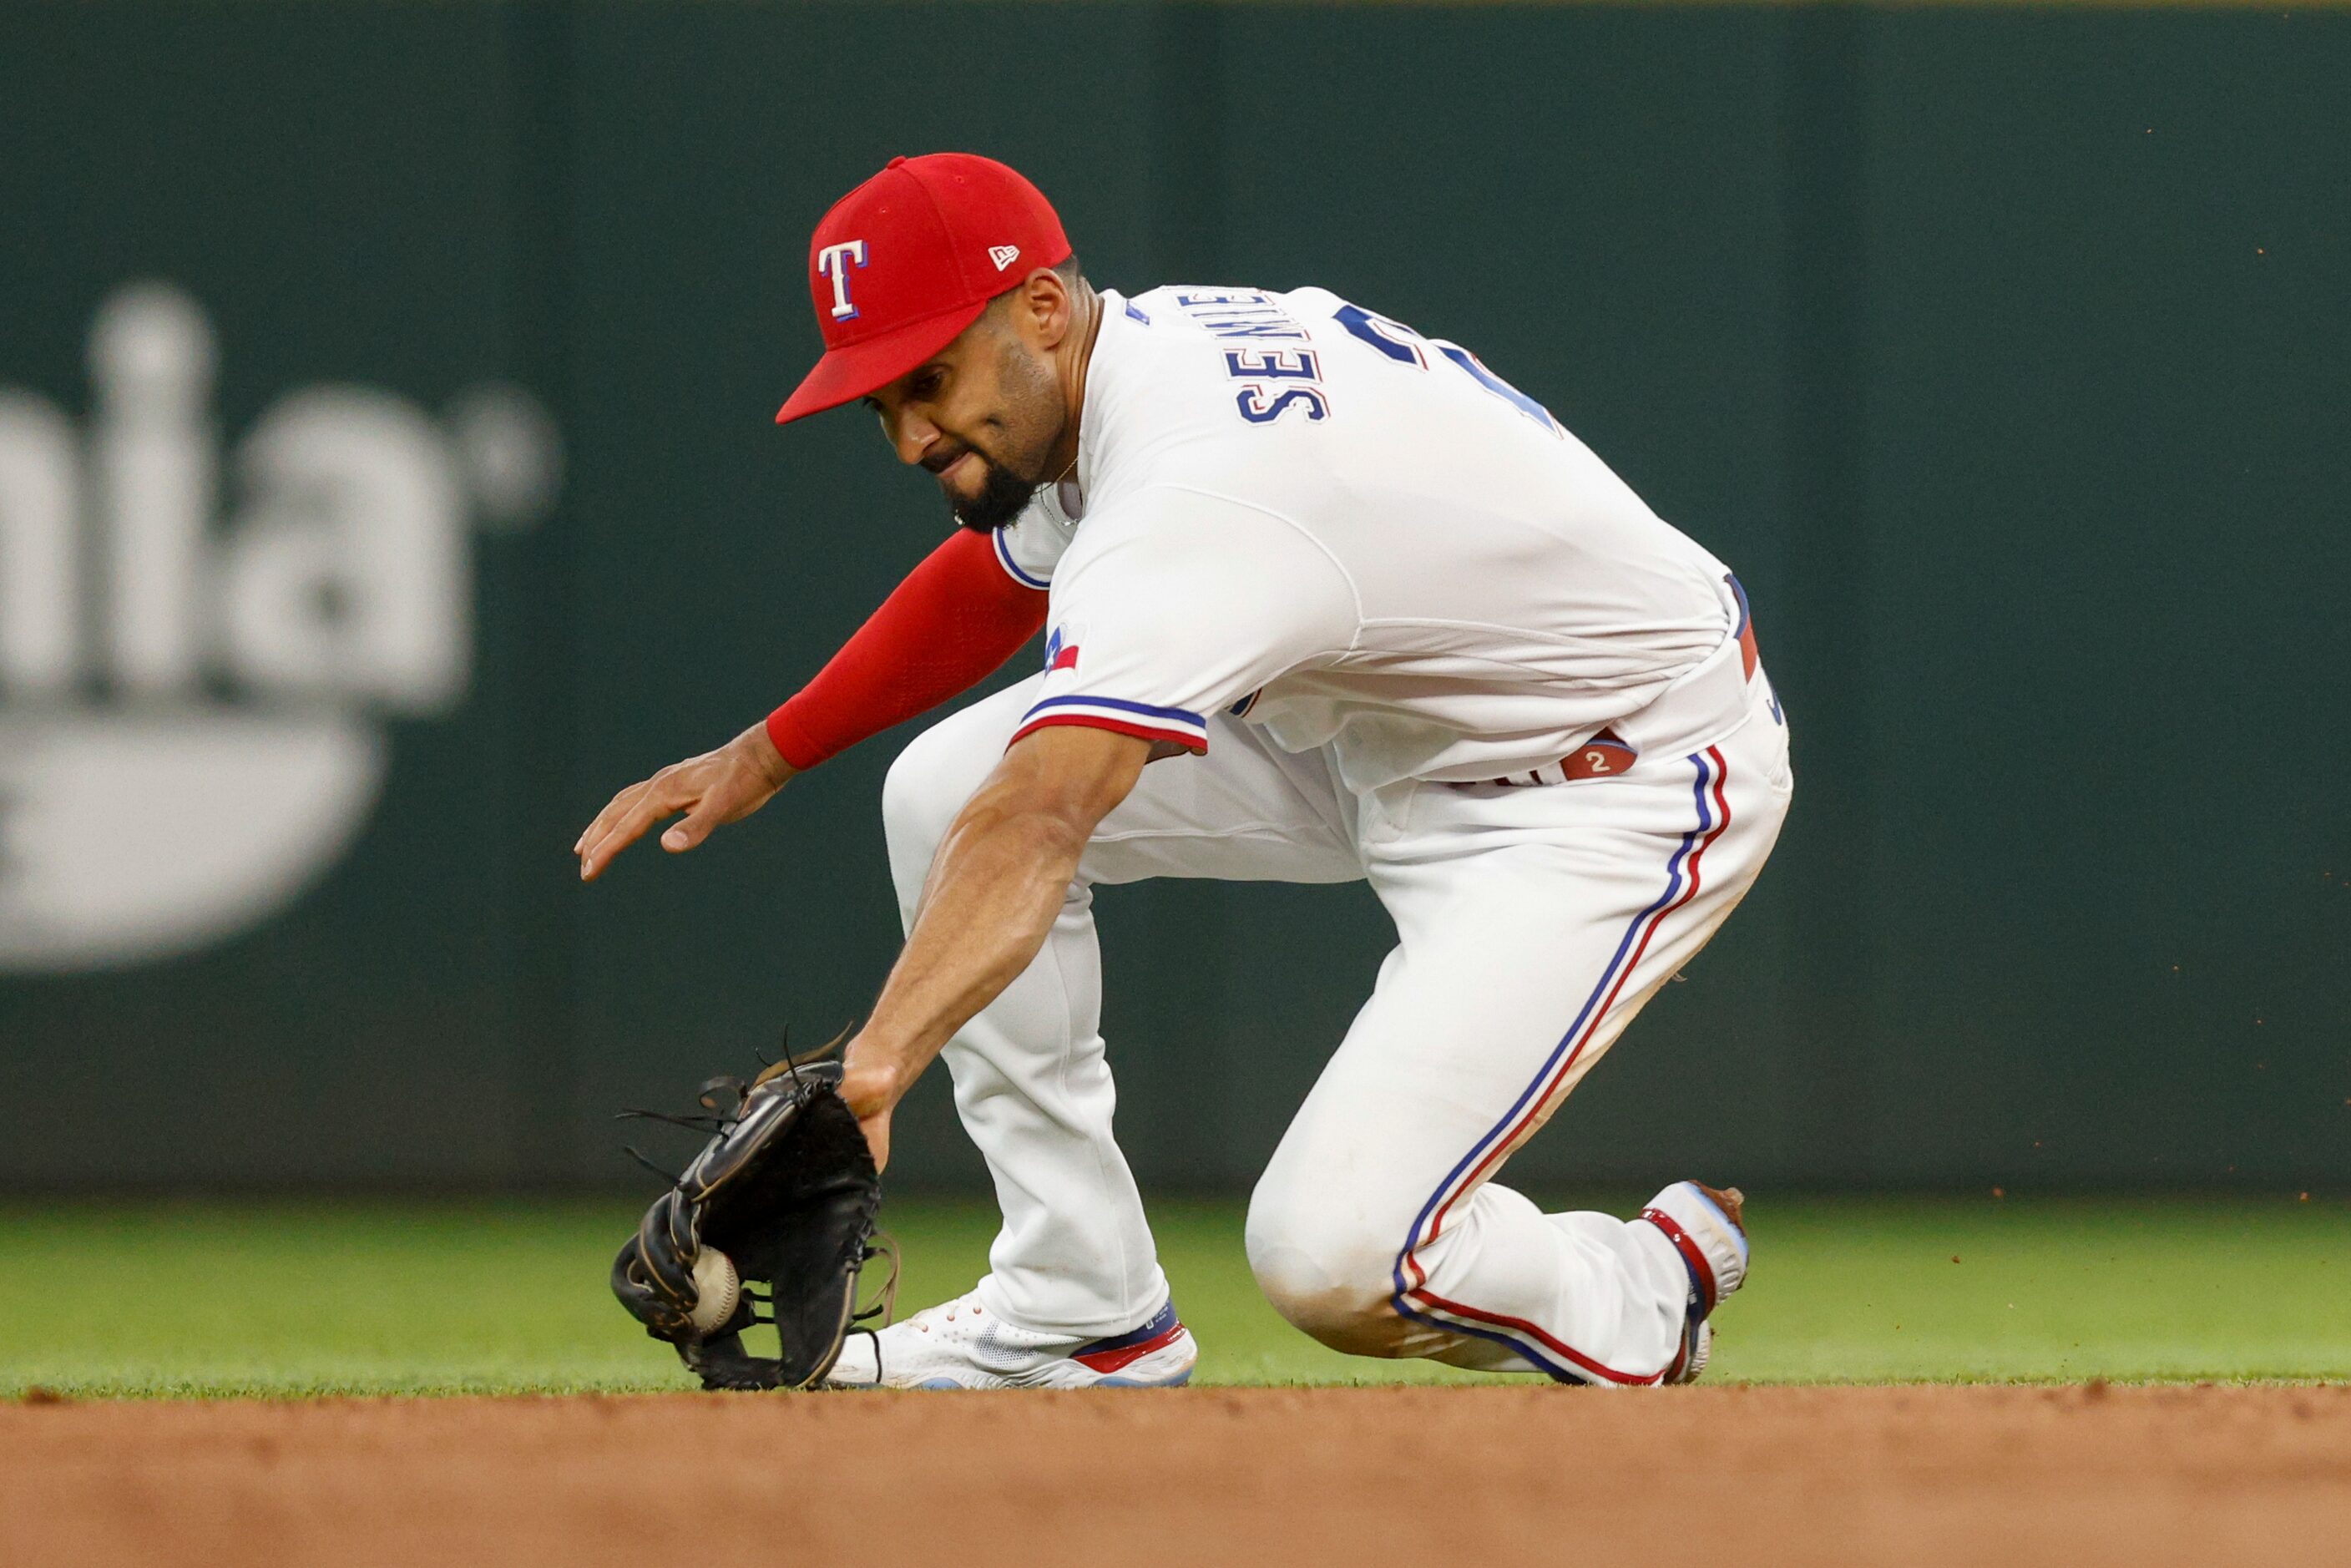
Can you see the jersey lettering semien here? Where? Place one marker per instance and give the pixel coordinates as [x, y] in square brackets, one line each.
[1300, 512]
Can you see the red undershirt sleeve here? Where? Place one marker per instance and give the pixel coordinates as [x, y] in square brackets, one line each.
[951, 624]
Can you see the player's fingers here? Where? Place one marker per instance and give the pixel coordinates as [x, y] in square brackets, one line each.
[725, 798]
[590, 849]
[877, 1129]
[608, 815]
[594, 830]
[617, 837]
[652, 804]
[601, 853]
[682, 836]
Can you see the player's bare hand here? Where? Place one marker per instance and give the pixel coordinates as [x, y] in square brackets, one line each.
[713, 789]
[873, 1093]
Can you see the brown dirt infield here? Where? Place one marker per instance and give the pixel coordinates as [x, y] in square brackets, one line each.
[1922, 1476]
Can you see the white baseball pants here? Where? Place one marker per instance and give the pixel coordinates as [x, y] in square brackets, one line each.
[1533, 924]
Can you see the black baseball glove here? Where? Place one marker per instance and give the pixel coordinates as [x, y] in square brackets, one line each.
[786, 1192]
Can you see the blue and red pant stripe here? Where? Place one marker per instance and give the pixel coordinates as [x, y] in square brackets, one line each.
[1412, 1297]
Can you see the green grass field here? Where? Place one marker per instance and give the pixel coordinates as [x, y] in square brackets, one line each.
[414, 1298]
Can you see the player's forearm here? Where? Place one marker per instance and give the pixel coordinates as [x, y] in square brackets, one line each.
[995, 890]
[993, 896]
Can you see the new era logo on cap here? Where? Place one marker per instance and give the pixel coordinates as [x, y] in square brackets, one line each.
[893, 268]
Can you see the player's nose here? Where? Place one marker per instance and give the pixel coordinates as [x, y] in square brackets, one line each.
[912, 436]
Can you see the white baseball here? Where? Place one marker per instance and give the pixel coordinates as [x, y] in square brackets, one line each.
[719, 1286]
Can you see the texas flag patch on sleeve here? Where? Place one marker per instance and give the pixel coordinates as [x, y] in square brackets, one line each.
[1173, 728]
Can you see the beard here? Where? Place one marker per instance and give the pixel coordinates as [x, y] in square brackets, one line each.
[1003, 495]
[1028, 423]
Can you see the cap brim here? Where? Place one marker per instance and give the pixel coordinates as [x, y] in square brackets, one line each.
[857, 368]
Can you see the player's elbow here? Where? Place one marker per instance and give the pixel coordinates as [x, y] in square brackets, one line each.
[1030, 820]
[1067, 777]
[1025, 831]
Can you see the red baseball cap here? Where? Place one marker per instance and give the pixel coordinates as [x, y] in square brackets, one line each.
[910, 258]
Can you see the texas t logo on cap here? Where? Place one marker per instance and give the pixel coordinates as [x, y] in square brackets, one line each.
[907, 260]
[834, 261]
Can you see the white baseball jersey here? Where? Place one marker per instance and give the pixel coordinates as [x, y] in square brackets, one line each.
[1363, 573]
[1312, 517]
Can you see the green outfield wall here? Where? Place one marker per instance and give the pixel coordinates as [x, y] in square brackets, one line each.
[386, 475]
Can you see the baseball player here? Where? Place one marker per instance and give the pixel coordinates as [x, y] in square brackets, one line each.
[1325, 599]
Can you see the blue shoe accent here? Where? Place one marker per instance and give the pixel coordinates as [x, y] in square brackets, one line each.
[1738, 1234]
[1162, 1322]
[1179, 1381]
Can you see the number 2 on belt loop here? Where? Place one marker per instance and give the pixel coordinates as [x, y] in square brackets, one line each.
[1605, 756]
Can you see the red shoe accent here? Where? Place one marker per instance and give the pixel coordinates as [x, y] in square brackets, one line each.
[1112, 1360]
[1701, 1269]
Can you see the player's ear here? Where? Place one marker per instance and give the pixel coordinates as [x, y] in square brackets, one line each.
[1047, 307]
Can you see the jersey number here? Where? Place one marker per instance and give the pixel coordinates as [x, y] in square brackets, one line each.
[1402, 344]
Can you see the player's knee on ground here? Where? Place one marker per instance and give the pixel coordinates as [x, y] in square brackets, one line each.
[1326, 1266]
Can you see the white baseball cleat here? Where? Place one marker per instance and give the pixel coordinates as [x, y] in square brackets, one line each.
[1704, 1225]
[961, 1344]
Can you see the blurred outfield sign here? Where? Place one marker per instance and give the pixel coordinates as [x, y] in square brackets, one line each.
[199, 649]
